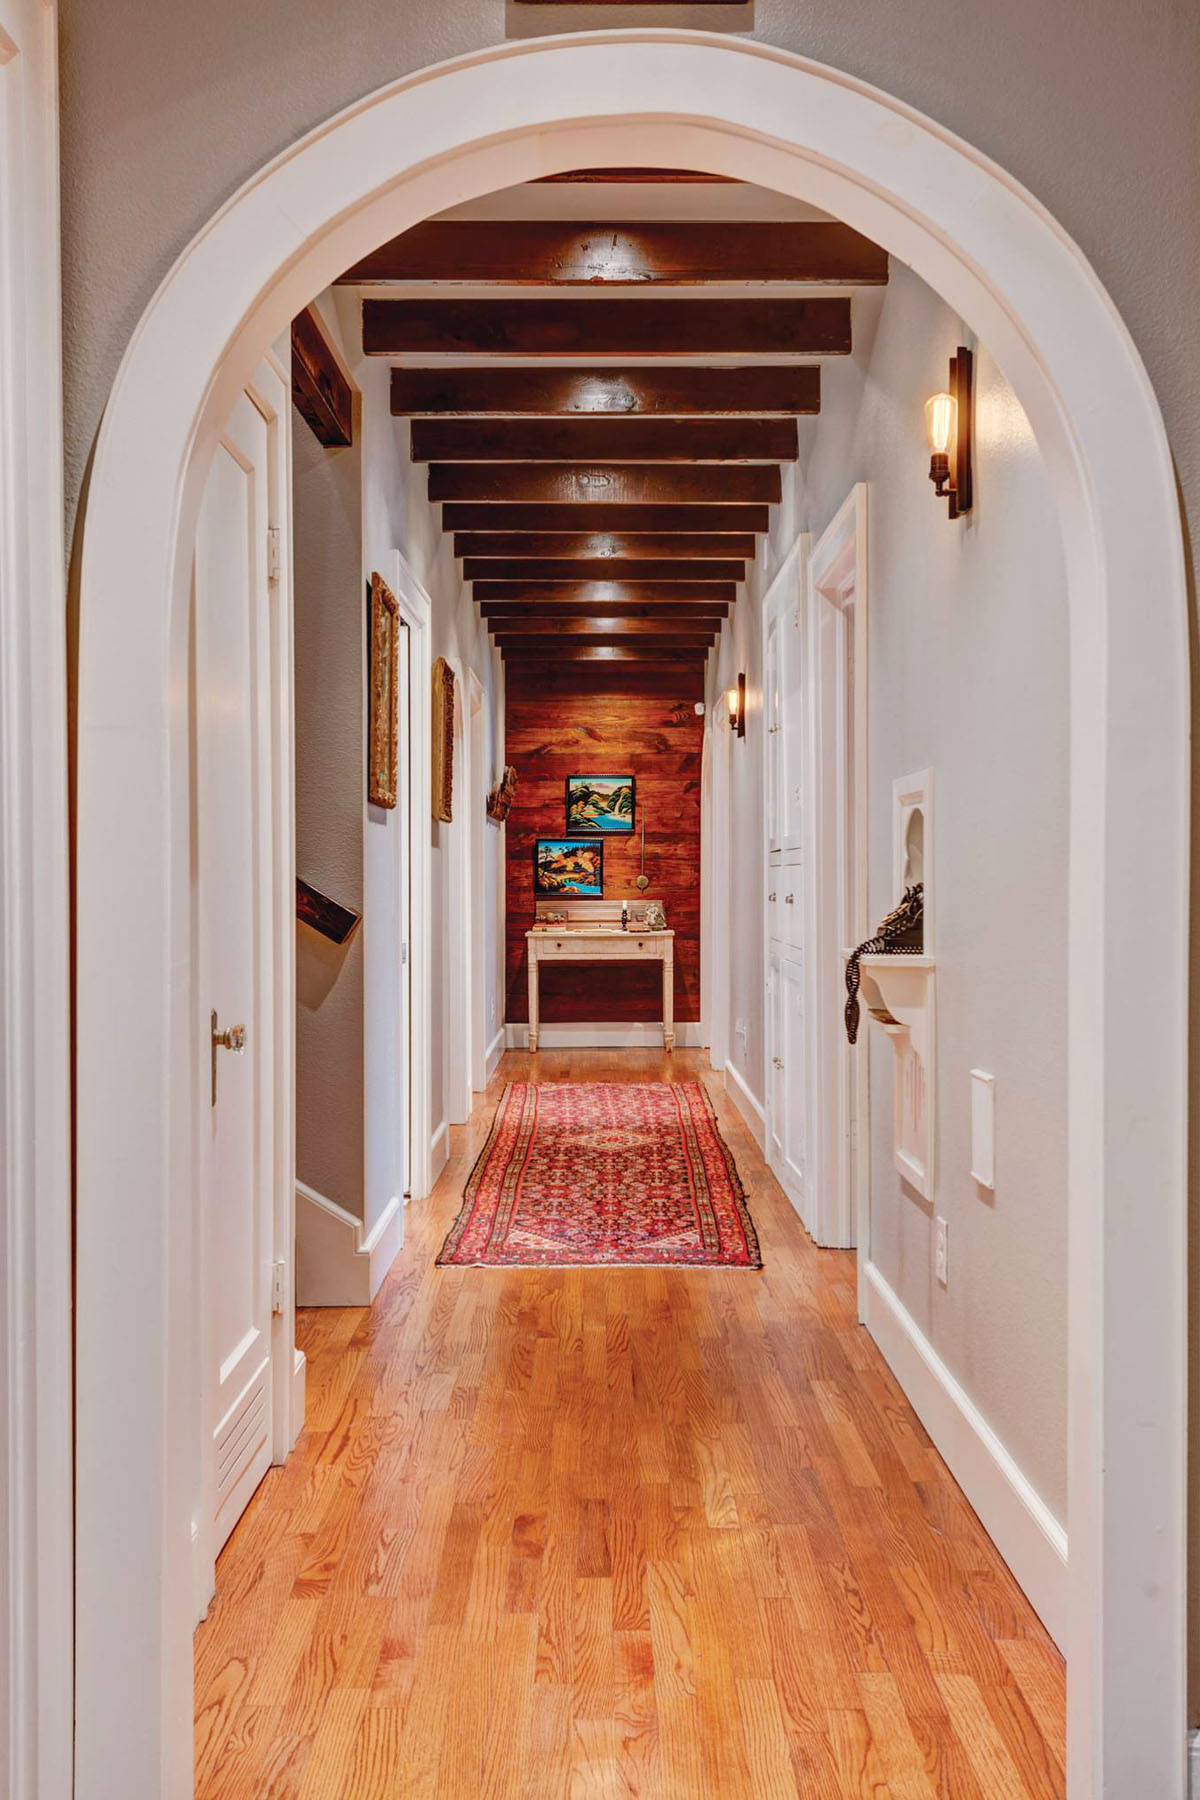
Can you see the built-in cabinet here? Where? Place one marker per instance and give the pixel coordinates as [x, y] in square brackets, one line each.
[786, 1012]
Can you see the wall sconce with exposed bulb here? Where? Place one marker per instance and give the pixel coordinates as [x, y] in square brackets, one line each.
[735, 699]
[948, 423]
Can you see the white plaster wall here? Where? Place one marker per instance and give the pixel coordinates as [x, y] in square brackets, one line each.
[968, 675]
[329, 714]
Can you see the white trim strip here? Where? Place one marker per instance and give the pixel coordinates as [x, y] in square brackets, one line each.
[751, 1108]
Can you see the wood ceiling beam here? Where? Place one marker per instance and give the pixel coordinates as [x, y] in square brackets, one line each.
[616, 548]
[322, 393]
[648, 252]
[550, 391]
[556, 650]
[628, 484]
[600, 593]
[597, 515]
[614, 627]
[605, 440]
[491, 568]
[649, 649]
[673, 328]
[708, 612]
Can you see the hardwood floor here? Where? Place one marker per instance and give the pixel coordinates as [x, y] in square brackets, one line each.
[587, 1534]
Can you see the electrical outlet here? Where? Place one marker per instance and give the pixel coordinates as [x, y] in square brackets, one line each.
[940, 1251]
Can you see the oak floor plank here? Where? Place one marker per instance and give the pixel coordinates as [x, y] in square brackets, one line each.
[616, 1534]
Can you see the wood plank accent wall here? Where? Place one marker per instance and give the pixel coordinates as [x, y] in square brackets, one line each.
[607, 723]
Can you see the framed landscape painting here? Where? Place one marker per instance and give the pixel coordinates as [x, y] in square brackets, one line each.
[600, 803]
[568, 866]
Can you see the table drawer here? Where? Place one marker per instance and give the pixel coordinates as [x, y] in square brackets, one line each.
[631, 948]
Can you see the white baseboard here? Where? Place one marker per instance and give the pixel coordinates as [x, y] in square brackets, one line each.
[299, 1394]
[439, 1152]
[748, 1104]
[1020, 1524]
[495, 1051]
[605, 1036]
[337, 1263]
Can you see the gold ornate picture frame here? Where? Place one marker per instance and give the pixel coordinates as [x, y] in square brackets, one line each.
[383, 694]
[443, 741]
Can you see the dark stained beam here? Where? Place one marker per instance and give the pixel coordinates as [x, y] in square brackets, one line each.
[558, 650]
[629, 484]
[321, 393]
[671, 328]
[550, 391]
[614, 627]
[564, 253]
[593, 176]
[491, 568]
[598, 515]
[604, 440]
[708, 612]
[676, 593]
[649, 648]
[617, 548]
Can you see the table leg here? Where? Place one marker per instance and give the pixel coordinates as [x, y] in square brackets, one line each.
[533, 1002]
[668, 1002]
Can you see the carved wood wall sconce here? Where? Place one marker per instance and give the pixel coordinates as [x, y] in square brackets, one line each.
[949, 423]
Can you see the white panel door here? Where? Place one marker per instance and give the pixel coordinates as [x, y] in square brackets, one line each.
[233, 812]
[793, 1038]
[773, 698]
[776, 1085]
[793, 725]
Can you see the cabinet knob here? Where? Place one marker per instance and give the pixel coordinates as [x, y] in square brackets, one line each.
[778, 1061]
[771, 898]
[788, 899]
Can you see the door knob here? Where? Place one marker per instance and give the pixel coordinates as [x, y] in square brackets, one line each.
[232, 1038]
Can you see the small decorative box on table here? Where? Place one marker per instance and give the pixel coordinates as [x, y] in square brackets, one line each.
[589, 931]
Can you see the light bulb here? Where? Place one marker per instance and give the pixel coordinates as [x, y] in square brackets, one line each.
[731, 699]
[941, 416]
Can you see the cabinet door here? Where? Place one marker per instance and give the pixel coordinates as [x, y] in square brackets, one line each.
[794, 1074]
[776, 1085]
[791, 737]
[772, 697]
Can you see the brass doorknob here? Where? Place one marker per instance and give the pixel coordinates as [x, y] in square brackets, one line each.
[233, 1037]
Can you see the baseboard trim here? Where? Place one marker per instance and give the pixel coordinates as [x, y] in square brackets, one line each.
[495, 1051]
[748, 1104]
[605, 1035]
[439, 1152]
[1021, 1525]
[299, 1394]
[337, 1262]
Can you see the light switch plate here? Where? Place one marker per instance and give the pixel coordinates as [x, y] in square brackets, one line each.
[983, 1128]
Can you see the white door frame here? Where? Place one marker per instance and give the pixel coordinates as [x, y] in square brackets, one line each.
[838, 1114]
[458, 902]
[714, 938]
[36, 1701]
[417, 609]
[493, 119]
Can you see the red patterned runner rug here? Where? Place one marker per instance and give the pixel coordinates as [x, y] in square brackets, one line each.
[604, 1173]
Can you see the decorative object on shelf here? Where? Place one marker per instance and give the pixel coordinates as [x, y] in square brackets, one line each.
[316, 910]
[501, 797]
[383, 694]
[569, 866]
[735, 699]
[600, 803]
[604, 1173]
[902, 933]
[655, 917]
[949, 423]
[443, 741]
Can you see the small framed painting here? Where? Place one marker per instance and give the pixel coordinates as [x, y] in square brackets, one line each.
[383, 694]
[569, 866]
[600, 803]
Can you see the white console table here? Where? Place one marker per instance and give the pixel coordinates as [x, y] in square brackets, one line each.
[595, 936]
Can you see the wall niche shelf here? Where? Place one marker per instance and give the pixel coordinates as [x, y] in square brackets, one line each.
[898, 993]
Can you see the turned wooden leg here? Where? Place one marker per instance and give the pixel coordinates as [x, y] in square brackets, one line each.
[533, 1002]
[668, 1002]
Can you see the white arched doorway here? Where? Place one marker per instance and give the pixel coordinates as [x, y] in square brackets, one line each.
[490, 120]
